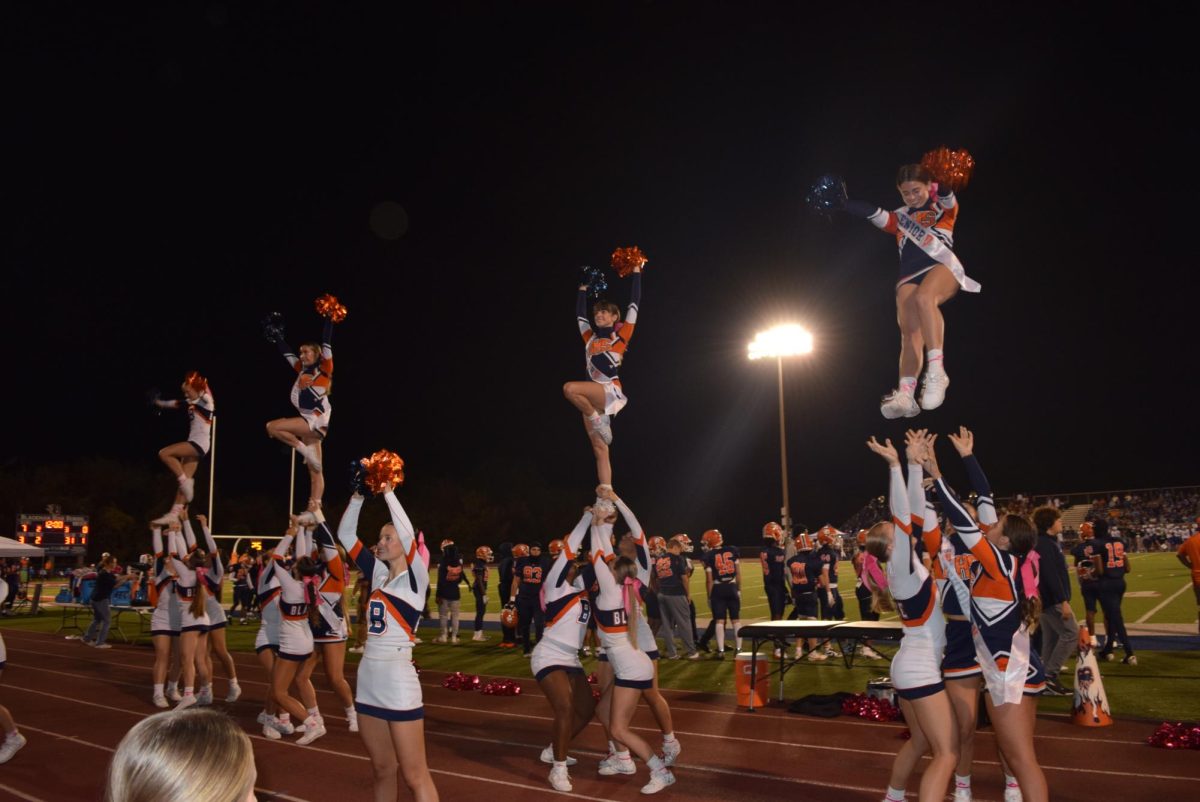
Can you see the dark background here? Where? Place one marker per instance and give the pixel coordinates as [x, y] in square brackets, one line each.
[177, 171]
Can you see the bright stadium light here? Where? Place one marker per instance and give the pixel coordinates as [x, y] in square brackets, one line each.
[776, 343]
[781, 341]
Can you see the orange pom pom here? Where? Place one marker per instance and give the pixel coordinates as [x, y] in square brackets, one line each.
[951, 168]
[328, 306]
[383, 468]
[197, 382]
[624, 260]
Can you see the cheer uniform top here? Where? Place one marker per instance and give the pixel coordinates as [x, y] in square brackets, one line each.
[604, 349]
[331, 625]
[1011, 667]
[213, 579]
[269, 617]
[200, 413]
[632, 667]
[387, 685]
[295, 635]
[187, 585]
[917, 667]
[567, 611]
[938, 215]
[310, 392]
[645, 635]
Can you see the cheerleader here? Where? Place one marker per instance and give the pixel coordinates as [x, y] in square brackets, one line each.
[634, 546]
[214, 580]
[310, 397]
[602, 396]
[13, 739]
[297, 605]
[166, 620]
[1003, 610]
[183, 458]
[388, 699]
[479, 583]
[329, 631]
[617, 614]
[555, 661]
[930, 275]
[916, 670]
[193, 618]
[266, 646]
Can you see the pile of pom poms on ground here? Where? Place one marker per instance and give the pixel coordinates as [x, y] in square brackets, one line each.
[458, 681]
[1179, 735]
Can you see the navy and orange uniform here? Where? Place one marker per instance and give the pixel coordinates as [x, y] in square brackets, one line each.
[772, 558]
[479, 583]
[1087, 552]
[200, 412]
[1002, 641]
[803, 585]
[1110, 591]
[671, 574]
[529, 573]
[310, 392]
[632, 666]
[938, 216]
[295, 634]
[566, 604]
[721, 564]
[331, 624]
[387, 686]
[917, 668]
[450, 575]
[826, 558]
[504, 590]
[604, 348]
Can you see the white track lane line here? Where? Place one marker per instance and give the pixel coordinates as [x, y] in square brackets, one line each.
[21, 794]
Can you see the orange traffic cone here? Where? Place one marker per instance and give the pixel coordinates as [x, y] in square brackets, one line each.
[1091, 703]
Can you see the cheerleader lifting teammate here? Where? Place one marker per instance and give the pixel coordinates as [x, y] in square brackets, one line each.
[310, 397]
[390, 708]
[1004, 609]
[602, 396]
[183, 458]
[916, 670]
[930, 275]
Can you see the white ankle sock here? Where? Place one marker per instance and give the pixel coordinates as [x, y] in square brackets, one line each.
[908, 384]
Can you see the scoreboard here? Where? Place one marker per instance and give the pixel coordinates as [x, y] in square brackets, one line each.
[57, 534]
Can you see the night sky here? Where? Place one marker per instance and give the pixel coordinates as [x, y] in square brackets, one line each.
[174, 174]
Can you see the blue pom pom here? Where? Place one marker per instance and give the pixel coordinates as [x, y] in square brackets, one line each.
[358, 479]
[827, 195]
[595, 280]
[272, 327]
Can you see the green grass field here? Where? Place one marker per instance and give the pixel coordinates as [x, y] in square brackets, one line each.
[1161, 687]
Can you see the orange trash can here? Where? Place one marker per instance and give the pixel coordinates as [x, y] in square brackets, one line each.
[741, 670]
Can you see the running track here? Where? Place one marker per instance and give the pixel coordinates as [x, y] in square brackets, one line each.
[74, 704]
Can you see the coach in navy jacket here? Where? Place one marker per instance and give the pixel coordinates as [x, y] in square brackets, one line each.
[1060, 630]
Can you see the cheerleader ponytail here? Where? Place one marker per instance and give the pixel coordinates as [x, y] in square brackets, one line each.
[1022, 536]
[879, 537]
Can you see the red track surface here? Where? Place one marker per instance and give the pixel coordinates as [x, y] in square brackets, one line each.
[74, 704]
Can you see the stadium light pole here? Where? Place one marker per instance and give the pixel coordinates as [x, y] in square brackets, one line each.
[779, 342]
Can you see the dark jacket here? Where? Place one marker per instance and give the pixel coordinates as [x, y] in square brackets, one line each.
[1054, 584]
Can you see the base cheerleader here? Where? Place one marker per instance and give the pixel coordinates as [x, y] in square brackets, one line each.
[388, 697]
[13, 739]
[555, 660]
[930, 275]
[213, 580]
[916, 672]
[183, 458]
[165, 622]
[1003, 610]
[329, 629]
[602, 396]
[617, 612]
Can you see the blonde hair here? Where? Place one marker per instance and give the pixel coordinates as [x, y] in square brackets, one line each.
[624, 568]
[879, 537]
[178, 755]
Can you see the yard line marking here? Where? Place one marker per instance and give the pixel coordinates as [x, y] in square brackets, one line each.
[1163, 604]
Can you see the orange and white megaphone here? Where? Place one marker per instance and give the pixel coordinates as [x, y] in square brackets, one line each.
[1091, 703]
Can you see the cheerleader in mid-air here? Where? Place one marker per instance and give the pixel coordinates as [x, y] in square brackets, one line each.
[555, 660]
[388, 696]
[310, 397]
[909, 588]
[1004, 609]
[183, 458]
[617, 613]
[601, 396]
[930, 275]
